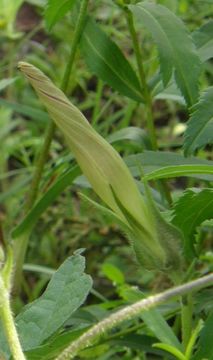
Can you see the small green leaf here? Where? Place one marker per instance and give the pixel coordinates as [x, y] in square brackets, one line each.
[113, 273]
[66, 291]
[170, 349]
[180, 170]
[106, 60]
[205, 348]
[169, 32]
[200, 127]
[190, 211]
[56, 10]
[203, 38]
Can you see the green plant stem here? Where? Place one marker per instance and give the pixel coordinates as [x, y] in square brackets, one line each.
[8, 323]
[93, 334]
[42, 158]
[194, 336]
[76, 37]
[20, 246]
[141, 71]
[186, 319]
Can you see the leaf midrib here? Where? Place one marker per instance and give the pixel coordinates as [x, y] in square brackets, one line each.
[112, 69]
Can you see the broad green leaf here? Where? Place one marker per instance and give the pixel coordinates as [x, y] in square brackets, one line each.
[190, 211]
[106, 61]
[154, 160]
[131, 133]
[41, 319]
[203, 38]
[65, 293]
[200, 126]
[180, 170]
[52, 193]
[176, 49]
[205, 348]
[56, 10]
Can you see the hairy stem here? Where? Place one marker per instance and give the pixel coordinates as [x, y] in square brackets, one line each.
[8, 323]
[20, 245]
[92, 335]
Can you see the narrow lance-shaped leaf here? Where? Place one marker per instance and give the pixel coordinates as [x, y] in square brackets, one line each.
[109, 177]
[200, 126]
[176, 48]
[105, 59]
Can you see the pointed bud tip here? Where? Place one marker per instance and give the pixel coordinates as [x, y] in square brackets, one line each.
[23, 65]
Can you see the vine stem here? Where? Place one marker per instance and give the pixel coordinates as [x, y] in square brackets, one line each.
[20, 245]
[8, 323]
[90, 336]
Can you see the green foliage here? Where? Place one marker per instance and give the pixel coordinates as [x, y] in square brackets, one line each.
[8, 13]
[181, 170]
[106, 60]
[160, 161]
[55, 10]
[142, 97]
[46, 200]
[66, 291]
[133, 134]
[205, 349]
[200, 127]
[169, 32]
[190, 211]
[6, 82]
[203, 38]
[71, 281]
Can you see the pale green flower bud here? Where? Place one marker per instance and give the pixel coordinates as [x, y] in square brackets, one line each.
[108, 175]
